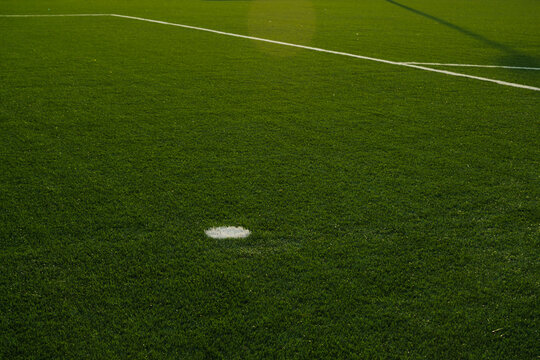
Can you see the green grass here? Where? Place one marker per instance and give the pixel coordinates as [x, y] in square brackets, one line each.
[394, 212]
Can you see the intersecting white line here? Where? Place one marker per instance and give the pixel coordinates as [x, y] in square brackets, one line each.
[474, 65]
[404, 64]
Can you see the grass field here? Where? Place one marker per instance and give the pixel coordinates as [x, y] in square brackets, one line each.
[394, 211]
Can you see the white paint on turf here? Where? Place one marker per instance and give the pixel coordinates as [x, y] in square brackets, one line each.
[404, 64]
[55, 15]
[227, 232]
[474, 65]
[500, 82]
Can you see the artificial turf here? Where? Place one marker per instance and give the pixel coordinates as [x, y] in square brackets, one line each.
[394, 212]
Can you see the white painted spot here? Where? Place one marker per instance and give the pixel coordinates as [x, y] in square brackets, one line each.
[227, 232]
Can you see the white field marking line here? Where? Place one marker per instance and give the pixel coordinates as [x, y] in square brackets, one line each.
[54, 15]
[500, 82]
[473, 65]
[451, 73]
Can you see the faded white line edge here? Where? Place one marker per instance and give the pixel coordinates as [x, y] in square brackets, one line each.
[404, 64]
[55, 15]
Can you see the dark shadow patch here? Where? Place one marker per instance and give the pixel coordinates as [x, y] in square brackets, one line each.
[512, 57]
[518, 60]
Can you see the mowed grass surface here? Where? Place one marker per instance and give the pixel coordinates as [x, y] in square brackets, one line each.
[394, 211]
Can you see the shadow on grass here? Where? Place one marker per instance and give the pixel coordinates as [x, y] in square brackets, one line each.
[511, 57]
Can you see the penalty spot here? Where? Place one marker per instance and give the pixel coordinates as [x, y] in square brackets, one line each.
[227, 232]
